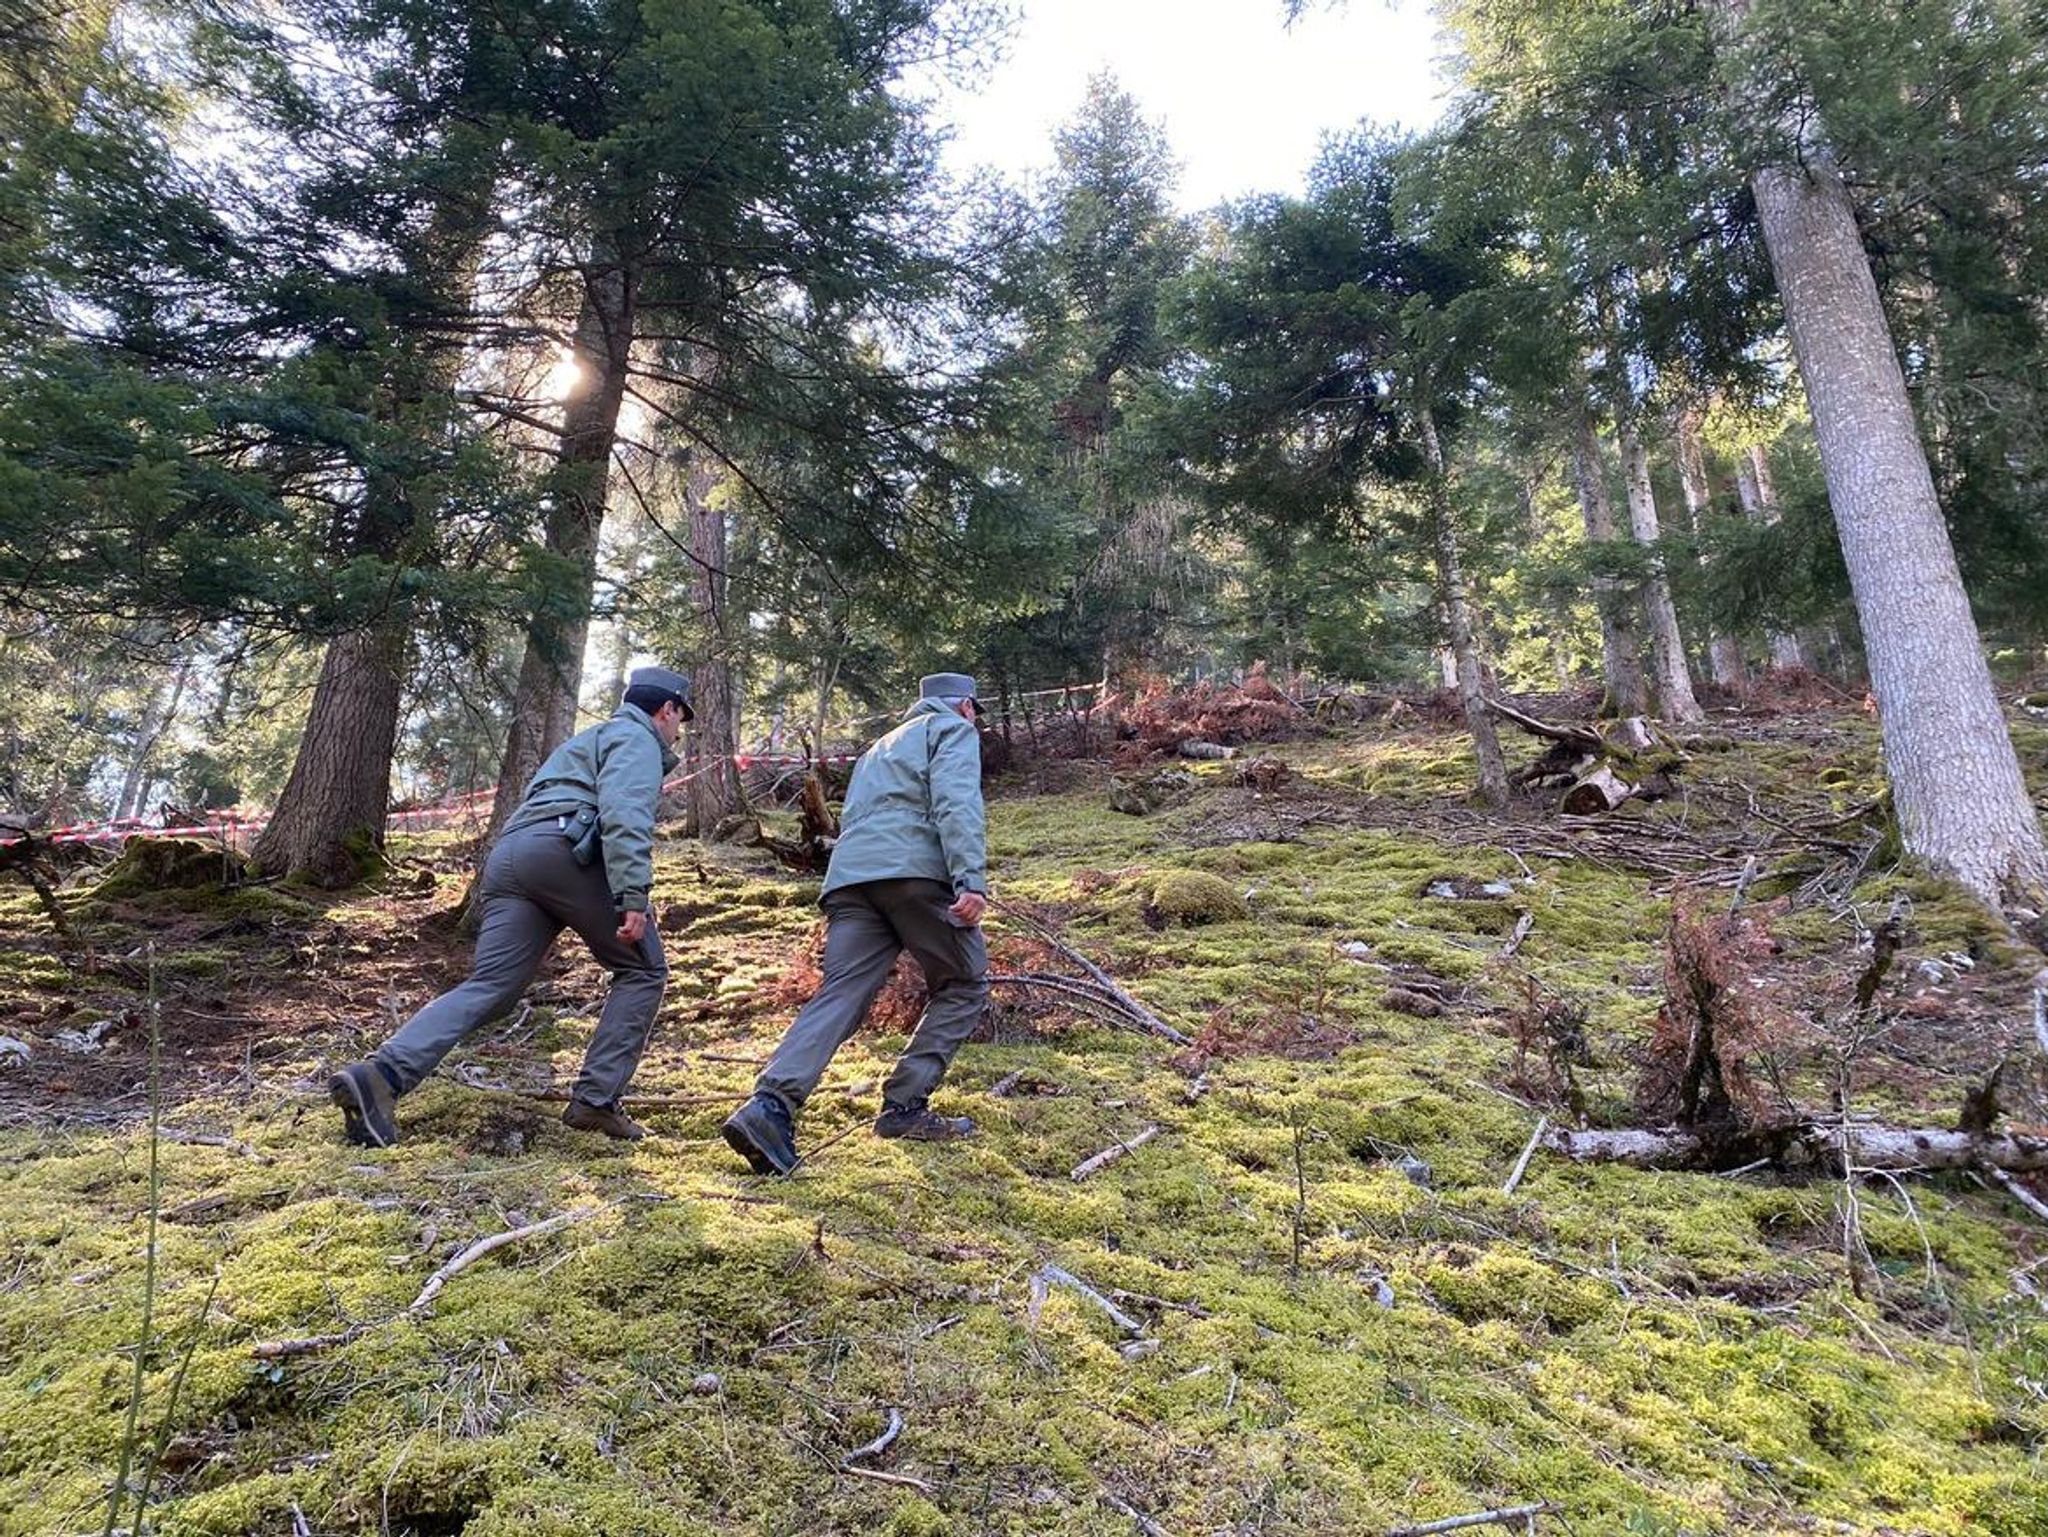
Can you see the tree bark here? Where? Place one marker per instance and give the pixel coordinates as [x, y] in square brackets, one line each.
[551, 671]
[712, 793]
[328, 827]
[1759, 500]
[156, 720]
[1493, 771]
[1962, 803]
[1724, 652]
[1620, 633]
[1667, 645]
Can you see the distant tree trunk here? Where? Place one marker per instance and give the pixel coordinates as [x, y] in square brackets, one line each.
[1667, 645]
[1759, 500]
[156, 720]
[1962, 803]
[328, 827]
[1554, 623]
[551, 671]
[1450, 575]
[1724, 652]
[713, 792]
[1621, 644]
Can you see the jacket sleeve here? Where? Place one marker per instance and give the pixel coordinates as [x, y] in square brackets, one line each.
[956, 805]
[628, 786]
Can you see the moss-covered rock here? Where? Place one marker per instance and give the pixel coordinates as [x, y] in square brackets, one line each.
[1193, 897]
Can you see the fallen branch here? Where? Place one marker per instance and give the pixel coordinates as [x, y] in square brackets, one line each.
[880, 1477]
[881, 1443]
[1528, 1152]
[1146, 1524]
[2019, 1192]
[1055, 1275]
[1501, 1517]
[1103, 979]
[272, 1350]
[1110, 1155]
[1522, 927]
[1868, 1146]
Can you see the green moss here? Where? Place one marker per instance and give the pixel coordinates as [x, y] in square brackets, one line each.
[1192, 897]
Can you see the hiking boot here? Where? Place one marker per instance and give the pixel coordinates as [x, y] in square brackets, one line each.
[760, 1132]
[919, 1123]
[369, 1110]
[609, 1119]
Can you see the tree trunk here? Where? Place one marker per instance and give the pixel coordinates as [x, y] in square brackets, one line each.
[329, 824]
[1620, 630]
[1493, 771]
[1760, 505]
[163, 709]
[551, 671]
[1724, 652]
[1555, 622]
[1962, 803]
[713, 791]
[1667, 645]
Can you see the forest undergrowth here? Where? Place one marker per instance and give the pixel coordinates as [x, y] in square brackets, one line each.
[1305, 1299]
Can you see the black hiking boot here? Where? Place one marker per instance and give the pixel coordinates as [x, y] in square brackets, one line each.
[919, 1123]
[369, 1110]
[609, 1119]
[760, 1132]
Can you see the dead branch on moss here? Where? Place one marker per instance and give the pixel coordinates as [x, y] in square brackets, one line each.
[1099, 982]
[1522, 1163]
[1507, 1515]
[1053, 1275]
[880, 1444]
[1810, 1142]
[1145, 1523]
[1109, 1155]
[272, 1350]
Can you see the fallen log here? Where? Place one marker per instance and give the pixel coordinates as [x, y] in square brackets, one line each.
[1597, 790]
[1867, 1145]
[1111, 1154]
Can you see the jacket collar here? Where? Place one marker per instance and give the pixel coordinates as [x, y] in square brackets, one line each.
[642, 719]
[928, 707]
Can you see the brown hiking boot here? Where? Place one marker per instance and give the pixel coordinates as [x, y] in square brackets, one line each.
[918, 1123]
[609, 1119]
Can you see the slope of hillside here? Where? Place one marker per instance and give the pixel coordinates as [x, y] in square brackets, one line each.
[1323, 1311]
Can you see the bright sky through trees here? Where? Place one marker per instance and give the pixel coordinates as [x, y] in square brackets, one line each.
[1244, 97]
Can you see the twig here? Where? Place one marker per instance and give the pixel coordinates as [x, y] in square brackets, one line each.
[1196, 1089]
[2041, 1018]
[889, 1478]
[1110, 1155]
[1137, 1010]
[2019, 1192]
[1749, 869]
[1523, 925]
[272, 1350]
[299, 1527]
[1501, 1517]
[156, 1103]
[208, 1139]
[1006, 1085]
[1522, 1163]
[1117, 1316]
[890, 1431]
[1146, 1524]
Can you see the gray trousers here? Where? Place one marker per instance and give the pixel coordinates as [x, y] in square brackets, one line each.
[866, 927]
[532, 890]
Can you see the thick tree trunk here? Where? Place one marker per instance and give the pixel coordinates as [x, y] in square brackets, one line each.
[551, 671]
[1724, 652]
[1962, 803]
[1621, 643]
[329, 824]
[713, 792]
[1450, 573]
[156, 720]
[1759, 500]
[1667, 645]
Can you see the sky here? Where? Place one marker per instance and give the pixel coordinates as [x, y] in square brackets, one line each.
[1244, 97]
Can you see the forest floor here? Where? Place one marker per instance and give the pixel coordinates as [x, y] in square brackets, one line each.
[1329, 1315]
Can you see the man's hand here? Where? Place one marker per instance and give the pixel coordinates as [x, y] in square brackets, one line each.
[633, 926]
[967, 909]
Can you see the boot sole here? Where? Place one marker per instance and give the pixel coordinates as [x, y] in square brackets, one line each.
[357, 1123]
[737, 1139]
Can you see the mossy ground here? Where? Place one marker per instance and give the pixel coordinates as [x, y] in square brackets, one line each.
[1340, 1347]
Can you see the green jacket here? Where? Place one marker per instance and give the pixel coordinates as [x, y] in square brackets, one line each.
[615, 768]
[914, 806]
